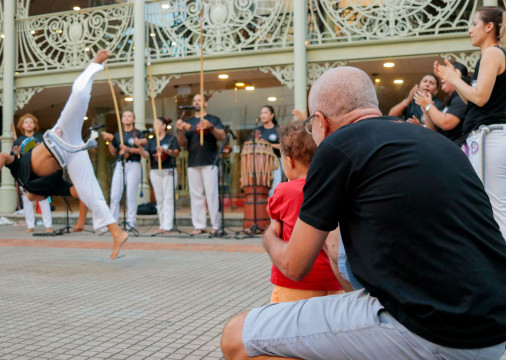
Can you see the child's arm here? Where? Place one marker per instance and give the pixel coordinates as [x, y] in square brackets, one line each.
[331, 248]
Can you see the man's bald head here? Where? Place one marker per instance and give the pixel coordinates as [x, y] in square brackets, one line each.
[342, 90]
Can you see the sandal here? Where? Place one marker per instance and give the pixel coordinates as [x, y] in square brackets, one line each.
[199, 231]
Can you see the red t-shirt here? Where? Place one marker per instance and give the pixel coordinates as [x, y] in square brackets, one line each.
[284, 206]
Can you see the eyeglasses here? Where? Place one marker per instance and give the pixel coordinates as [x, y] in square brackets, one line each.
[308, 124]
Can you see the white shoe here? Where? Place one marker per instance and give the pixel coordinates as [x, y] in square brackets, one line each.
[5, 221]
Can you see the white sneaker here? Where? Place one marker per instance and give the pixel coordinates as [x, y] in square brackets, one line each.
[5, 221]
[19, 212]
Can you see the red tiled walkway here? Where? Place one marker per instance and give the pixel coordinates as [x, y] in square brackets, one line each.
[132, 245]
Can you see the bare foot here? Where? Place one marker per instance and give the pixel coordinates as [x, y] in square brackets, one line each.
[101, 56]
[119, 240]
[49, 230]
[29, 230]
[159, 231]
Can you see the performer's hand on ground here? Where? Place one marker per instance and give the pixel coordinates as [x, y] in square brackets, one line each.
[78, 227]
[102, 56]
[107, 136]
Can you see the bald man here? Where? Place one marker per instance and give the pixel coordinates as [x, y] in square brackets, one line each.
[419, 233]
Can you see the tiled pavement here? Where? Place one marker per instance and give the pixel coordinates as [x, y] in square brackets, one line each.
[162, 298]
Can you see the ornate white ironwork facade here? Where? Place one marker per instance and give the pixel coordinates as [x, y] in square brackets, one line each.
[159, 83]
[465, 58]
[285, 74]
[349, 20]
[67, 40]
[23, 96]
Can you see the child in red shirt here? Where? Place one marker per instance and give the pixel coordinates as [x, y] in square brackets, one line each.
[297, 149]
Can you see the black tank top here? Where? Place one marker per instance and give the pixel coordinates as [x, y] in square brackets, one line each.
[494, 111]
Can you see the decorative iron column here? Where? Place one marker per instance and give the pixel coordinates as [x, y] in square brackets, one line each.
[299, 54]
[140, 80]
[7, 189]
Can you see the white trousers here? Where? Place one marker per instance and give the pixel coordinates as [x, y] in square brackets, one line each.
[277, 176]
[164, 182]
[132, 179]
[45, 208]
[486, 150]
[79, 166]
[202, 178]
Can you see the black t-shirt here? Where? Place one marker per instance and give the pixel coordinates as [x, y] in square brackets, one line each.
[417, 227]
[202, 155]
[415, 110]
[50, 185]
[128, 140]
[457, 108]
[168, 142]
[494, 111]
[38, 139]
[270, 135]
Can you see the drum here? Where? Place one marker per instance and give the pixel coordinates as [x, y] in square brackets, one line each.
[258, 160]
[27, 145]
[255, 206]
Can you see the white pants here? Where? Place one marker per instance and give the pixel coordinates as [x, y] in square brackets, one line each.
[45, 208]
[486, 149]
[79, 166]
[132, 179]
[277, 176]
[202, 178]
[164, 188]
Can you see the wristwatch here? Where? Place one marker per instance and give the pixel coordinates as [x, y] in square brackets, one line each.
[428, 107]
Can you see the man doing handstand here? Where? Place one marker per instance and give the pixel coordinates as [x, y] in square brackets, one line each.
[40, 170]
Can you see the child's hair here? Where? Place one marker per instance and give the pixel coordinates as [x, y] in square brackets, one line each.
[22, 118]
[296, 142]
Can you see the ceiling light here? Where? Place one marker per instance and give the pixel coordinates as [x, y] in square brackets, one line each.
[85, 118]
[2, 36]
[271, 98]
[32, 32]
[150, 136]
[250, 88]
[76, 8]
[169, 127]
[87, 49]
[223, 76]
[239, 84]
[107, 142]
[388, 64]
[173, 43]
[129, 98]
[152, 34]
[377, 81]
[399, 81]
[165, 6]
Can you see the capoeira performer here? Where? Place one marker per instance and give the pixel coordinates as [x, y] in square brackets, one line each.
[40, 170]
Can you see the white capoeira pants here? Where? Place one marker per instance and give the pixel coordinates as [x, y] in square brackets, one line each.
[277, 176]
[45, 209]
[202, 178]
[164, 188]
[79, 166]
[132, 179]
[486, 150]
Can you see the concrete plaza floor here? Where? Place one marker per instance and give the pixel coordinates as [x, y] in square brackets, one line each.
[162, 298]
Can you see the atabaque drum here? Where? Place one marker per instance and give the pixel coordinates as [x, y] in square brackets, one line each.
[258, 163]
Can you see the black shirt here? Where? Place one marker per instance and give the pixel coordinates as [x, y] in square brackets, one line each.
[417, 227]
[168, 142]
[128, 140]
[50, 185]
[415, 110]
[494, 111]
[457, 108]
[202, 155]
[270, 135]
